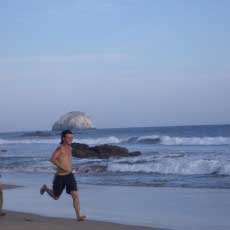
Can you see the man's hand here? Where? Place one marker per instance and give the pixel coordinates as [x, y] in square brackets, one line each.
[56, 163]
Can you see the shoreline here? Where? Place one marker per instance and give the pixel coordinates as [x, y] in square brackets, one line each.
[27, 221]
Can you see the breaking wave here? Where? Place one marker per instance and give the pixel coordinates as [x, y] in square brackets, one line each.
[89, 141]
[153, 139]
[168, 140]
[170, 164]
[175, 163]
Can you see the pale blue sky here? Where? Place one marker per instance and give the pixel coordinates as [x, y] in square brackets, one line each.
[123, 62]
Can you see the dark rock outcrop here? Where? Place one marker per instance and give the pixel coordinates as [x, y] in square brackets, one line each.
[101, 151]
[3, 150]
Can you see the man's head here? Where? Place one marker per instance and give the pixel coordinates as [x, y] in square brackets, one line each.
[66, 137]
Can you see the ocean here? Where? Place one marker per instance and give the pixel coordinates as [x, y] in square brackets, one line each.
[183, 156]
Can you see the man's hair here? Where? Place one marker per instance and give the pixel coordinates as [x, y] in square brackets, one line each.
[64, 133]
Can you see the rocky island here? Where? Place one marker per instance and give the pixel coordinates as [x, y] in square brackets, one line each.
[73, 121]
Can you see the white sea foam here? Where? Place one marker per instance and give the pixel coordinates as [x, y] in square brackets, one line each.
[167, 140]
[153, 139]
[30, 141]
[180, 166]
[89, 141]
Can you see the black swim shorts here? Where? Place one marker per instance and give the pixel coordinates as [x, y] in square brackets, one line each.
[61, 182]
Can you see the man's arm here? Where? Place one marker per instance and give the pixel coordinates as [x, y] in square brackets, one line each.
[54, 159]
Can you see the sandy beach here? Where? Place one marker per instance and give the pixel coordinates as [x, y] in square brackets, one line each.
[184, 208]
[28, 221]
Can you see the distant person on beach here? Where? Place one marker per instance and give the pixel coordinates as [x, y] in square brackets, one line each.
[64, 177]
[1, 201]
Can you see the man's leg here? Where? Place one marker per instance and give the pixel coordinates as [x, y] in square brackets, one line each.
[58, 186]
[50, 192]
[76, 205]
[1, 203]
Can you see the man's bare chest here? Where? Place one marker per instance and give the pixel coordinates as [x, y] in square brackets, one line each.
[65, 156]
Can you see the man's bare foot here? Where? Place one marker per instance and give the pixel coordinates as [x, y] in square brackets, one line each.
[43, 189]
[2, 213]
[81, 218]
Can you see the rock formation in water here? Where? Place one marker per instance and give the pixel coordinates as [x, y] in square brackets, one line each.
[73, 121]
[101, 151]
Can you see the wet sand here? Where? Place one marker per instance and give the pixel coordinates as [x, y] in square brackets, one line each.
[28, 221]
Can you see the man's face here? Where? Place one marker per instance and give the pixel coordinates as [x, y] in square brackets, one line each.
[68, 139]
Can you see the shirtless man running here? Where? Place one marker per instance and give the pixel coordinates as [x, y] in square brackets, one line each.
[64, 178]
